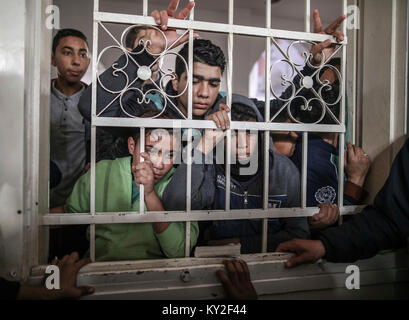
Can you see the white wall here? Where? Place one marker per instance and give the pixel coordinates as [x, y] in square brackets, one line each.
[11, 135]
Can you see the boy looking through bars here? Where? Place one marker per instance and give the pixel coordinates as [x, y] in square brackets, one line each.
[208, 67]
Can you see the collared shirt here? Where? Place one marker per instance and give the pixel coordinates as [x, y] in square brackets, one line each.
[67, 142]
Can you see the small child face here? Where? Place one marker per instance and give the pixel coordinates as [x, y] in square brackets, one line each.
[243, 144]
[285, 142]
[161, 148]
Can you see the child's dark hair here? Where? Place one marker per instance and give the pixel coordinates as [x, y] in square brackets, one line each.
[132, 35]
[150, 113]
[241, 112]
[204, 51]
[67, 33]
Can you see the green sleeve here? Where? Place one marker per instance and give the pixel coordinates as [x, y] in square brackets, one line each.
[172, 240]
[79, 199]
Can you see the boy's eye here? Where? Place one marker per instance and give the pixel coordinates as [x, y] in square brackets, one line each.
[66, 53]
[169, 155]
[214, 84]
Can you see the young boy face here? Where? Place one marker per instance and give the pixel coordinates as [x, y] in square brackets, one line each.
[244, 144]
[206, 86]
[161, 147]
[71, 58]
[285, 142]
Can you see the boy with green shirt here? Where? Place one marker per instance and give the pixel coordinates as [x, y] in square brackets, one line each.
[117, 189]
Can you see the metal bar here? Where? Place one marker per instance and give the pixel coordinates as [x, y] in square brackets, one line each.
[168, 216]
[266, 133]
[304, 170]
[141, 186]
[230, 44]
[353, 98]
[206, 124]
[145, 8]
[307, 17]
[215, 27]
[189, 144]
[341, 140]
[93, 128]
[304, 165]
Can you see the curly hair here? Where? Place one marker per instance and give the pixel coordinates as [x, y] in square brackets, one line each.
[204, 51]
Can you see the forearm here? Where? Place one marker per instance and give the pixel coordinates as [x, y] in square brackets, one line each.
[173, 239]
[57, 210]
[354, 192]
[154, 203]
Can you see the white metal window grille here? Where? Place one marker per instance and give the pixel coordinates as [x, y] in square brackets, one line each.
[144, 72]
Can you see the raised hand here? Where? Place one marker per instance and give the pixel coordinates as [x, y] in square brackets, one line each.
[357, 164]
[326, 47]
[221, 117]
[143, 174]
[69, 266]
[162, 17]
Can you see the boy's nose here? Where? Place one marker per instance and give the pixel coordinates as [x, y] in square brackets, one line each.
[76, 60]
[203, 90]
[157, 162]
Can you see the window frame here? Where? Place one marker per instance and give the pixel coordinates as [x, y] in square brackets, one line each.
[230, 29]
[48, 219]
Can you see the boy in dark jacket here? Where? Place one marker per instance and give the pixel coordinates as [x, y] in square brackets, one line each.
[246, 190]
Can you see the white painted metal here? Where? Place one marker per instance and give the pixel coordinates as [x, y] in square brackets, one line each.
[207, 124]
[189, 144]
[266, 133]
[93, 129]
[161, 279]
[134, 217]
[230, 61]
[145, 8]
[215, 27]
[32, 136]
[341, 142]
[307, 17]
[24, 84]
[307, 28]
[141, 187]
[352, 100]
[36, 48]
[304, 170]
